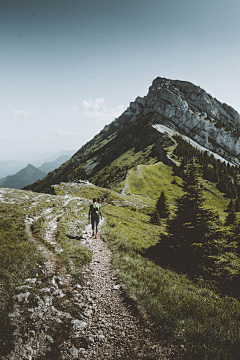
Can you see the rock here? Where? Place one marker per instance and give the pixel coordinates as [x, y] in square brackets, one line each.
[74, 352]
[45, 290]
[79, 323]
[31, 281]
[14, 314]
[23, 287]
[50, 339]
[116, 287]
[23, 296]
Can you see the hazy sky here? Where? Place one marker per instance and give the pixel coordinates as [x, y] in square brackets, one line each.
[68, 67]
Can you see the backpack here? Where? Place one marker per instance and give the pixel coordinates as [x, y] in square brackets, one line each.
[95, 210]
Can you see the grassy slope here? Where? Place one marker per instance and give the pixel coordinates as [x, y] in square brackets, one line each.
[17, 261]
[194, 316]
[150, 180]
[191, 314]
[19, 257]
[106, 159]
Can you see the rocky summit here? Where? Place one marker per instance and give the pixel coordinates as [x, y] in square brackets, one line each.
[190, 110]
[144, 131]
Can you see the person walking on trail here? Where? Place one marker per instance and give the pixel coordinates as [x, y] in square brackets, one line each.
[95, 213]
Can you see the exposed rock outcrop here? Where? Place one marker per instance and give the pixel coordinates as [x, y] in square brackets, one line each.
[193, 112]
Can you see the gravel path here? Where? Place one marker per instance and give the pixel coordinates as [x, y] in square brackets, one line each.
[120, 333]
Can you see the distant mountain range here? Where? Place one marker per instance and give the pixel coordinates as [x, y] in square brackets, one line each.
[144, 131]
[23, 177]
[31, 174]
[52, 165]
[11, 167]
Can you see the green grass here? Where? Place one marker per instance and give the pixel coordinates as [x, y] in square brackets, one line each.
[79, 190]
[113, 174]
[150, 180]
[72, 249]
[19, 257]
[132, 229]
[215, 199]
[192, 315]
[18, 260]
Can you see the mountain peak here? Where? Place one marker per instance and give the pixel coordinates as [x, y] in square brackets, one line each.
[23, 177]
[171, 106]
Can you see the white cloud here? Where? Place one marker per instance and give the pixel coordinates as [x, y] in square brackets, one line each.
[18, 113]
[95, 110]
[93, 104]
[63, 133]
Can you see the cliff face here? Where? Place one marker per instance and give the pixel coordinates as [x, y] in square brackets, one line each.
[193, 112]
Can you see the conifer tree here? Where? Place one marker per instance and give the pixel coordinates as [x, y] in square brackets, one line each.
[237, 205]
[161, 210]
[190, 231]
[162, 206]
[231, 217]
[155, 219]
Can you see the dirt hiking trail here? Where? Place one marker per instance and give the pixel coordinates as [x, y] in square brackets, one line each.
[124, 333]
[56, 319]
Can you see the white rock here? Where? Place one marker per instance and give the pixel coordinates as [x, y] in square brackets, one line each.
[116, 287]
[23, 296]
[22, 287]
[31, 280]
[80, 323]
[50, 339]
[74, 352]
[14, 314]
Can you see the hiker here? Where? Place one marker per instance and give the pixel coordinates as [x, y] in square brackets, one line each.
[95, 213]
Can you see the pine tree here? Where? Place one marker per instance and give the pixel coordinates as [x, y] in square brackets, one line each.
[231, 217]
[190, 231]
[155, 219]
[237, 205]
[222, 186]
[162, 206]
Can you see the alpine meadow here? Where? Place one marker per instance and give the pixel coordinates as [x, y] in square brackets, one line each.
[168, 170]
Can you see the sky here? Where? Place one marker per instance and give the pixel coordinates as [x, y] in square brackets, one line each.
[69, 67]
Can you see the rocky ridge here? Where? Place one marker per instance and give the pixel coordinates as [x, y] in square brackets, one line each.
[187, 108]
